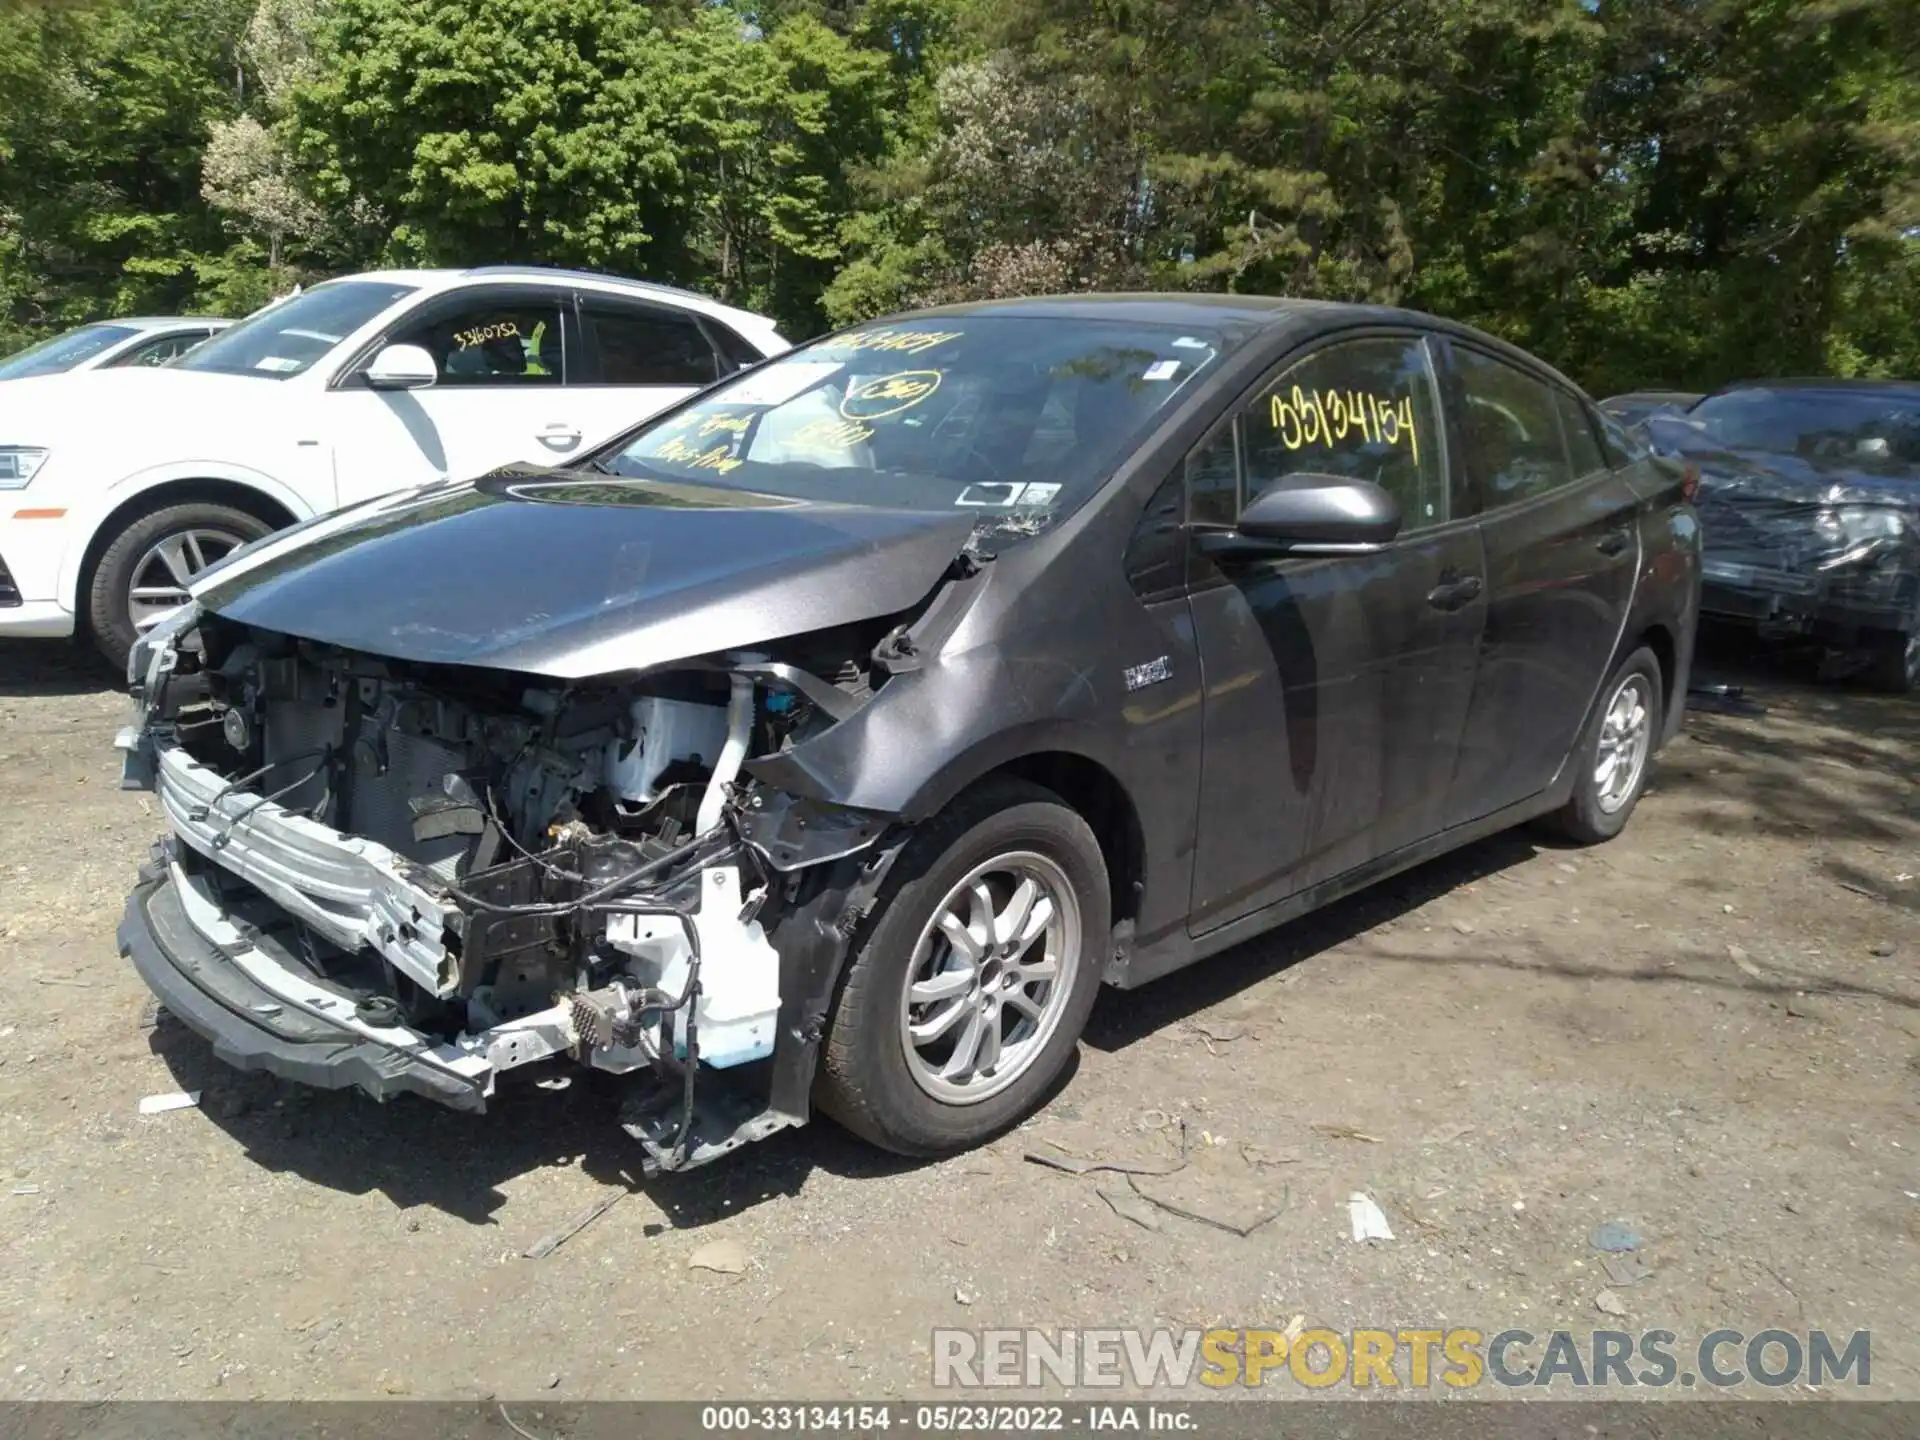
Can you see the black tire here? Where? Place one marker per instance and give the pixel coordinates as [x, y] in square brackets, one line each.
[1586, 817]
[1895, 664]
[109, 618]
[865, 1081]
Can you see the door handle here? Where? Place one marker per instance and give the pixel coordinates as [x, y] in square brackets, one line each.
[1614, 542]
[1455, 594]
[560, 436]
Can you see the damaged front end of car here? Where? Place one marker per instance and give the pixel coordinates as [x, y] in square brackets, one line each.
[1809, 554]
[409, 877]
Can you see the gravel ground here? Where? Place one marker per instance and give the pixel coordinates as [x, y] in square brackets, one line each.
[1709, 1029]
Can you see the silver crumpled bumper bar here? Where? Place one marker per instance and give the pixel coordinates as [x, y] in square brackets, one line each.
[352, 891]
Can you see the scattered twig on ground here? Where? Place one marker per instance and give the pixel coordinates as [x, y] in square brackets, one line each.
[547, 1244]
[516, 1426]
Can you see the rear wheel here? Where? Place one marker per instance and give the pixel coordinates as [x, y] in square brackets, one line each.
[144, 570]
[965, 999]
[1615, 752]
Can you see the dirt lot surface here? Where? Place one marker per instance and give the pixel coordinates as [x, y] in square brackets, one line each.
[1709, 1029]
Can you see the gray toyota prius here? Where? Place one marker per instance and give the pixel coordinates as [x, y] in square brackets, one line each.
[832, 737]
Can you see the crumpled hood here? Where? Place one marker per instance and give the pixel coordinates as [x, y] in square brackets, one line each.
[570, 574]
[1789, 513]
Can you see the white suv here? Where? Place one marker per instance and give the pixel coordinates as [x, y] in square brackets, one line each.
[116, 486]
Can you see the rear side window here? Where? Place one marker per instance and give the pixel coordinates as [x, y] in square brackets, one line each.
[735, 352]
[1359, 409]
[1514, 430]
[1582, 449]
[642, 345]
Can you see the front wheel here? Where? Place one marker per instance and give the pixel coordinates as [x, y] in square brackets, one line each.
[965, 998]
[144, 570]
[1894, 666]
[1614, 752]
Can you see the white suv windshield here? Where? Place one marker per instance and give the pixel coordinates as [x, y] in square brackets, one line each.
[287, 338]
[1013, 419]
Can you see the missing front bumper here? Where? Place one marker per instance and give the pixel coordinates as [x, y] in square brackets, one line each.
[242, 993]
[1836, 605]
[251, 1004]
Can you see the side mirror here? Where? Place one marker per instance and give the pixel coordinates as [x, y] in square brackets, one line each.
[402, 367]
[1311, 515]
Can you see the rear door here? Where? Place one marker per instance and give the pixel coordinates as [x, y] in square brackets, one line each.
[1562, 551]
[1336, 688]
[638, 358]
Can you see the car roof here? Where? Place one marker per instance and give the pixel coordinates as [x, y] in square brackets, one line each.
[166, 322]
[449, 279]
[1829, 382]
[1145, 307]
[1249, 314]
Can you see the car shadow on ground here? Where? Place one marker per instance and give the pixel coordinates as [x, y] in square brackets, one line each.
[418, 1154]
[51, 668]
[1124, 1017]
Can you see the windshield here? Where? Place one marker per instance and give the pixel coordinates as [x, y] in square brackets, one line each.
[287, 338]
[1857, 426]
[1015, 419]
[63, 352]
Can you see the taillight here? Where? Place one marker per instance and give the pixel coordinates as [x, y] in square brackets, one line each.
[1690, 483]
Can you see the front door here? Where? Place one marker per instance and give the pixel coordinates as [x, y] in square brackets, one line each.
[501, 396]
[1562, 547]
[1336, 688]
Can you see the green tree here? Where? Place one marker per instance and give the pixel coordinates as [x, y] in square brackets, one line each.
[103, 118]
[498, 130]
[771, 128]
[1771, 149]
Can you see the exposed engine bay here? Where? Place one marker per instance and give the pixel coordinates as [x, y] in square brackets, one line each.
[475, 870]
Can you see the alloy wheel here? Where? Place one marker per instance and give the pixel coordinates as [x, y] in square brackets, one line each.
[990, 977]
[1626, 738]
[161, 575]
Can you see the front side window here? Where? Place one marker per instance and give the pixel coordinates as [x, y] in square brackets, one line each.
[1514, 430]
[1359, 410]
[1213, 480]
[492, 339]
[62, 352]
[289, 336]
[159, 352]
[642, 345]
[1013, 420]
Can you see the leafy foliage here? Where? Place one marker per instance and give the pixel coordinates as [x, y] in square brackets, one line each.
[1669, 192]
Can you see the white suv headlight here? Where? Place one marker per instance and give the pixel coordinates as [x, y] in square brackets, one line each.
[18, 465]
